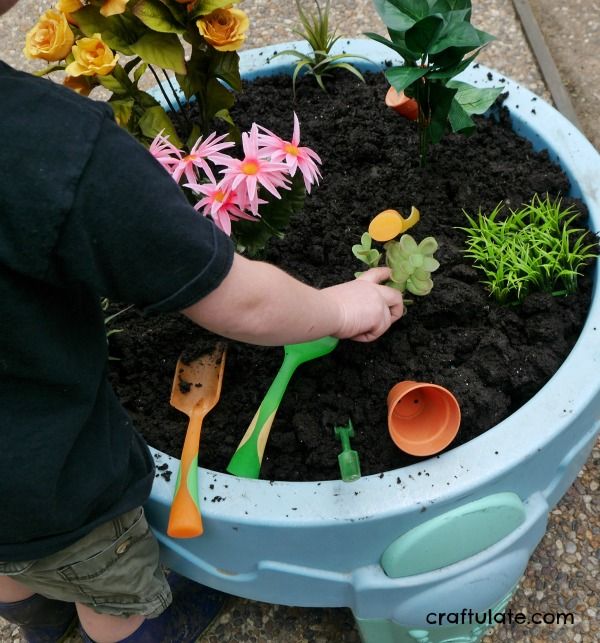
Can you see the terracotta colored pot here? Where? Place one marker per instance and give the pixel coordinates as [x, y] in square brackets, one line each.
[401, 103]
[423, 418]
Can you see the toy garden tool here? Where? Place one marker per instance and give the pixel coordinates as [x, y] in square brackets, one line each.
[423, 418]
[247, 459]
[196, 390]
[348, 459]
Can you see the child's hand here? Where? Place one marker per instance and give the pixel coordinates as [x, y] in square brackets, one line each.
[367, 308]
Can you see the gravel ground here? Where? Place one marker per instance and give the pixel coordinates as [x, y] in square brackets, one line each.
[562, 575]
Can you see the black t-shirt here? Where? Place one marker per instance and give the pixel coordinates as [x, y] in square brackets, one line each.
[85, 213]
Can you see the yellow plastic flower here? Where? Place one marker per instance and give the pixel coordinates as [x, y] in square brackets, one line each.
[51, 39]
[69, 6]
[224, 29]
[92, 58]
[113, 7]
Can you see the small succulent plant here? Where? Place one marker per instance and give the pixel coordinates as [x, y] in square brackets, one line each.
[365, 253]
[412, 264]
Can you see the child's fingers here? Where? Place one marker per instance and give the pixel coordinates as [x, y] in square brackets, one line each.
[376, 275]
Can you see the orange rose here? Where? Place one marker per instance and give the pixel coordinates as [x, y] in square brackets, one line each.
[92, 58]
[79, 84]
[224, 29]
[51, 39]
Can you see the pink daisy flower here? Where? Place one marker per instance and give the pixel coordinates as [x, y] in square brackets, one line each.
[254, 170]
[209, 150]
[221, 204]
[295, 157]
[165, 152]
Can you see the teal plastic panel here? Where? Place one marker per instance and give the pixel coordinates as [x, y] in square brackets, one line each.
[454, 536]
[385, 631]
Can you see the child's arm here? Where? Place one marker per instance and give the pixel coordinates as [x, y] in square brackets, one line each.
[260, 304]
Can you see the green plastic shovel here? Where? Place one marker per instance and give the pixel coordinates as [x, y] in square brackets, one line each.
[247, 459]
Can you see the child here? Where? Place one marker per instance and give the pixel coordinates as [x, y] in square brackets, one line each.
[86, 213]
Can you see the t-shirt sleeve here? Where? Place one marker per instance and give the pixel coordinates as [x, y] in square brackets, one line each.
[131, 234]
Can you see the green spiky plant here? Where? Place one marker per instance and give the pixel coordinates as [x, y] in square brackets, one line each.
[411, 264]
[436, 41]
[321, 40]
[535, 248]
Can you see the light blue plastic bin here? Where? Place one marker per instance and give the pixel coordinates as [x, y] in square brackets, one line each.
[456, 537]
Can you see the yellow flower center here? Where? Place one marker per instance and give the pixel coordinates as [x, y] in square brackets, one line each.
[219, 196]
[291, 149]
[249, 167]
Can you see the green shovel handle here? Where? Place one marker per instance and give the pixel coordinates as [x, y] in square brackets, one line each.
[247, 459]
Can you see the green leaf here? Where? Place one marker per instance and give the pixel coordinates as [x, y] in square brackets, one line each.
[154, 121]
[122, 108]
[423, 35]
[348, 67]
[226, 66]
[451, 62]
[156, 15]
[161, 49]
[397, 44]
[113, 84]
[440, 100]
[474, 100]
[460, 121]
[393, 16]
[217, 98]
[275, 216]
[401, 77]
[443, 6]
[139, 72]
[205, 7]
[411, 9]
[461, 34]
[195, 134]
[117, 31]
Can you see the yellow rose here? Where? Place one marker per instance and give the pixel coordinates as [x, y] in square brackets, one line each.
[51, 39]
[69, 6]
[113, 7]
[92, 57]
[224, 29]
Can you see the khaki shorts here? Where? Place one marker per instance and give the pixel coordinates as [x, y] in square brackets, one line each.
[114, 570]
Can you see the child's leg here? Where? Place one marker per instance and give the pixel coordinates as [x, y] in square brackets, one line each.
[114, 577]
[12, 591]
[105, 628]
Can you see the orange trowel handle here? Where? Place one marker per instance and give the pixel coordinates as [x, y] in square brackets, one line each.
[185, 520]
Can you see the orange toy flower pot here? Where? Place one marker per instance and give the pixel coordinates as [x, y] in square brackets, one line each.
[423, 418]
[401, 103]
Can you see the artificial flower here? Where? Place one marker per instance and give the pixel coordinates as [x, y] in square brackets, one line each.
[51, 39]
[294, 156]
[254, 170]
[220, 203]
[92, 58]
[79, 84]
[113, 7]
[165, 152]
[203, 151]
[224, 29]
[69, 6]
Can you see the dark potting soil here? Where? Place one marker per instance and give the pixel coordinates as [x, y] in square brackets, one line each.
[493, 358]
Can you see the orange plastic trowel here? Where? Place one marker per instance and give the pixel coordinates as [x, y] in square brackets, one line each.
[196, 390]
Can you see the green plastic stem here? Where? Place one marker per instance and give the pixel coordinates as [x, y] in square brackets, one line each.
[247, 460]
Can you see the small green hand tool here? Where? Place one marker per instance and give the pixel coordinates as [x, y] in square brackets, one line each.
[247, 459]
